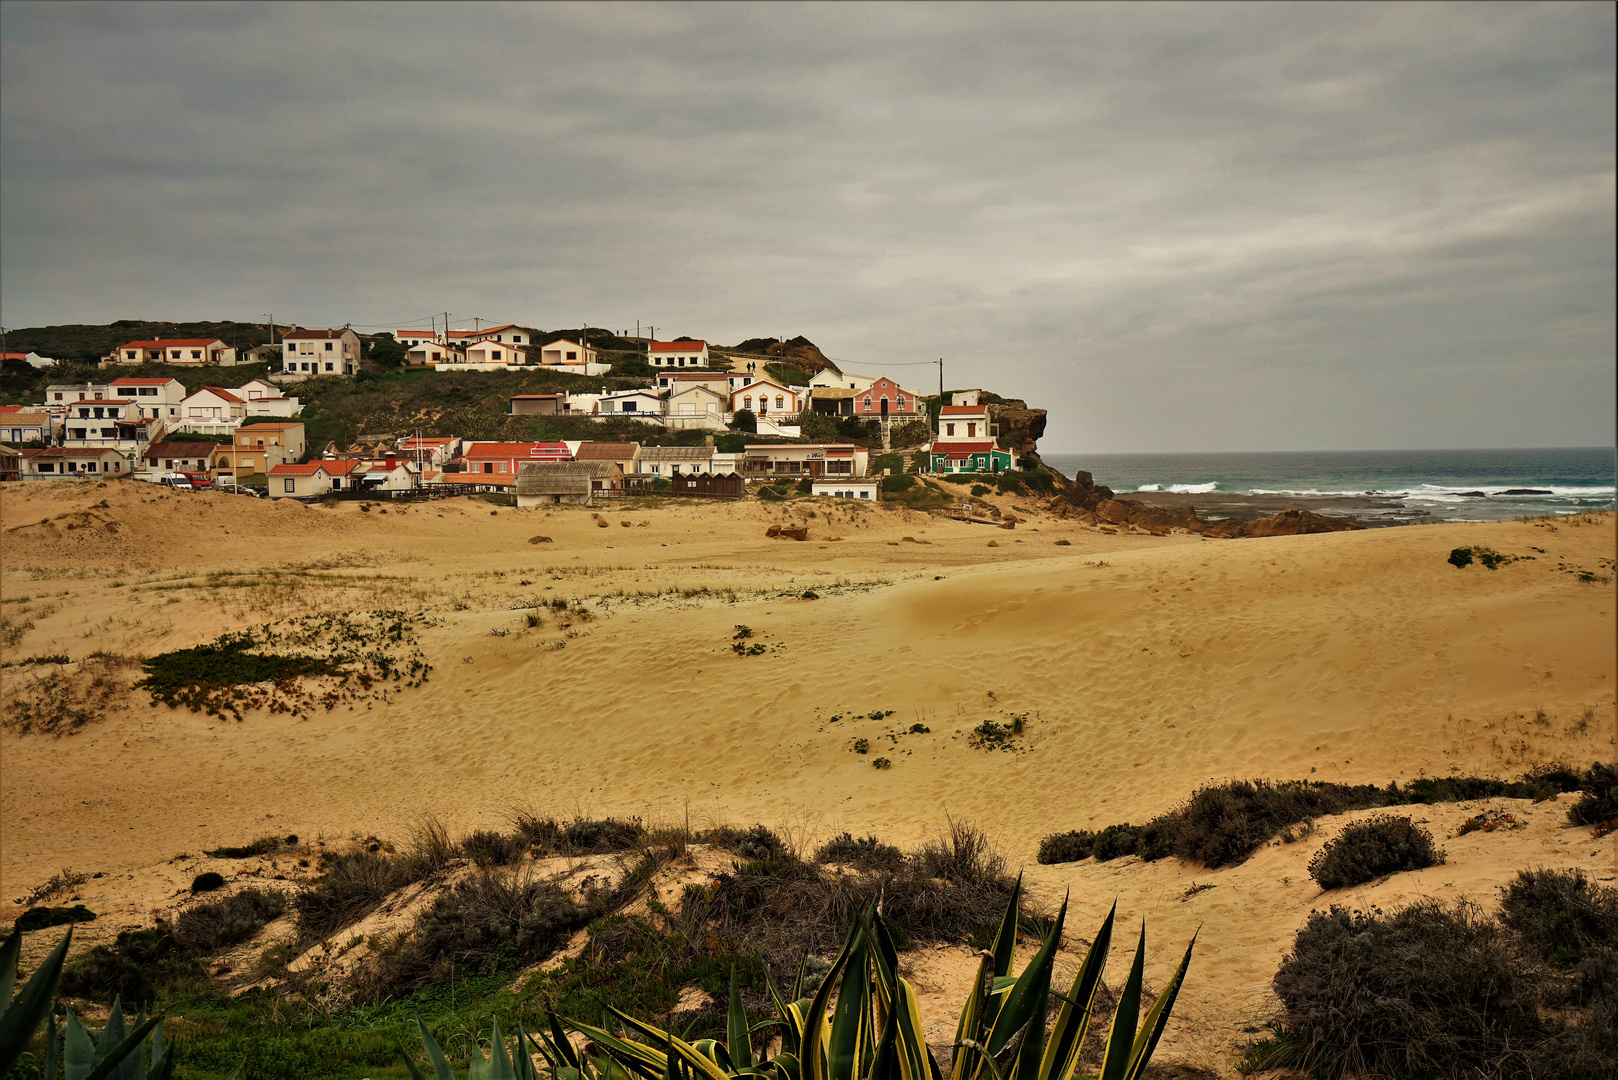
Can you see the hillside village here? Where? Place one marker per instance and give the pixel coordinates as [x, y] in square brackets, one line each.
[604, 415]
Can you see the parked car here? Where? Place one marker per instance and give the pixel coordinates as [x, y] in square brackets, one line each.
[198, 480]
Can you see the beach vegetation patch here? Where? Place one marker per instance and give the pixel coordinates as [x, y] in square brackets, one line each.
[324, 661]
[64, 700]
[1222, 824]
[868, 853]
[207, 881]
[1561, 914]
[1487, 557]
[1369, 849]
[41, 918]
[264, 845]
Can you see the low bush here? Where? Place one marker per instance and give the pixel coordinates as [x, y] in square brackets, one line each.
[1222, 824]
[494, 920]
[204, 929]
[867, 853]
[1597, 806]
[489, 848]
[207, 882]
[41, 918]
[1115, 841]
[135, 966]
[1560, 913]
[1365, 850]
[264, 845]
[897, 483]
[1430, 990]
[353, 885]
[1066, 847]
[758, 843]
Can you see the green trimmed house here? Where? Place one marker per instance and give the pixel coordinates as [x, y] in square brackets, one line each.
[965, 442]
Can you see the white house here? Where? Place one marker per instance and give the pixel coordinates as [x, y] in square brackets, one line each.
[32, 359]
[157, 398]
[58, 395]
[677, 354]
[866, 488]
[563, 351]
[673, 460]
[504, 334]
[17, 426]
[696, 406]
[494, 353]
[184, 352]
[411, 338]
[836, 461]
[302, 481]
[717, 381]
[767, 398]
[56, 462]
[432, 352]
[320, 352]
[266, 399]
[572, 358]
[212, 410]
[110, 422]
[635, 404]
[840, 380]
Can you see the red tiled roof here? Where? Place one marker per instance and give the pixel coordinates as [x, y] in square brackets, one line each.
[221, 392]
[300, 470]
[266, 427]
[166, 343]
[965, 410]
[535, 397]
[677, 346]
[142, 382]
[513, 449]
[489, 329]
[55, 452]
[953, 447]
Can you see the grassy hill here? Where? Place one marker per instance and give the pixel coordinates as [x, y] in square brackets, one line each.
[85, 342]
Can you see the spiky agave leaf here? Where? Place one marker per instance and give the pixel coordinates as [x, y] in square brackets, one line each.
[27, 1011]
[1157, 1018]
[1121, 1037]
[1078, 1006]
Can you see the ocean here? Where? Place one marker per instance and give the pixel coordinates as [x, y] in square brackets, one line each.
[1451, 485]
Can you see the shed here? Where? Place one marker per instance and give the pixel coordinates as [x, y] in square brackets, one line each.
[550, 483]
[709, 485]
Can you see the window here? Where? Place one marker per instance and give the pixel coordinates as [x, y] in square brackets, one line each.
[331, 367]
[503, 466]
[780, 402]
[91, 467]
[488, 466]
[867, 402]
[949, 429]
[747, 403]
[516, 339]
[971, 430]
[127, 356]
[196, 354]
[572, 356]
[289, 485]
[328, 346]
[629, 406]
[46, 466]
[174, 354]
[291, 347]
[58, 397]
[146, 391]
[494, 353]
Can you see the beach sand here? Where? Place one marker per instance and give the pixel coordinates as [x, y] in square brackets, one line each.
[1145, 666]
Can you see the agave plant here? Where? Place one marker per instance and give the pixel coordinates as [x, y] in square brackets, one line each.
[116, 1052]
[875, 1031]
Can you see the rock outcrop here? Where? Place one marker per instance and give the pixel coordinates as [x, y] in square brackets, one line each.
[1020, 428]
[1286, 523]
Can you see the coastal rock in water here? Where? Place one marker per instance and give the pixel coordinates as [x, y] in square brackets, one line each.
[1286, 523]
[1157, 520]
[1526, 491]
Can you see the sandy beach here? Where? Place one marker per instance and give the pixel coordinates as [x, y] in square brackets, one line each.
[1144, 666]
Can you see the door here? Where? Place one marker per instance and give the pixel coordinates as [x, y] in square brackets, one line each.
[884, 408]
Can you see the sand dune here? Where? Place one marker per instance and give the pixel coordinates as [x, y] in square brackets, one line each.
[1144, 666]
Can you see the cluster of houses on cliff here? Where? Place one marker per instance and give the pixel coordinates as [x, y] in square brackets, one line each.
[140, 425]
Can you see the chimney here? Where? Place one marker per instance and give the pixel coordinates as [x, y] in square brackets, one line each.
[708, 442]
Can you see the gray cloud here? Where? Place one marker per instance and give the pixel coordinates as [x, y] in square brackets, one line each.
[1177, 227]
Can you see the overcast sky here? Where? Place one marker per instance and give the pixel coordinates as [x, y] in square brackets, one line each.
[1207, 227]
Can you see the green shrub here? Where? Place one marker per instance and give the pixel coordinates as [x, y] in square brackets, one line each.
[1596, 806]
[489, 848]
[1461, 558]
[41, 918]
[744, 420]
[205, 929]
[1066, 847]
[1366, 850]
[207, 882]
[1560, 913]
[589, 835]
[1429, 991]
[759, 843]
[897, 483]
[978, 490]
[264, 845]
[1115, 841]
[868, 853]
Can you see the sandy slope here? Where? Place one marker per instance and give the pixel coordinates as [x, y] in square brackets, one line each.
[1145, 665]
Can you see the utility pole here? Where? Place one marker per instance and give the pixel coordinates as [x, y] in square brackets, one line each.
[270, 316]
[477, 324]
[446, 329]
